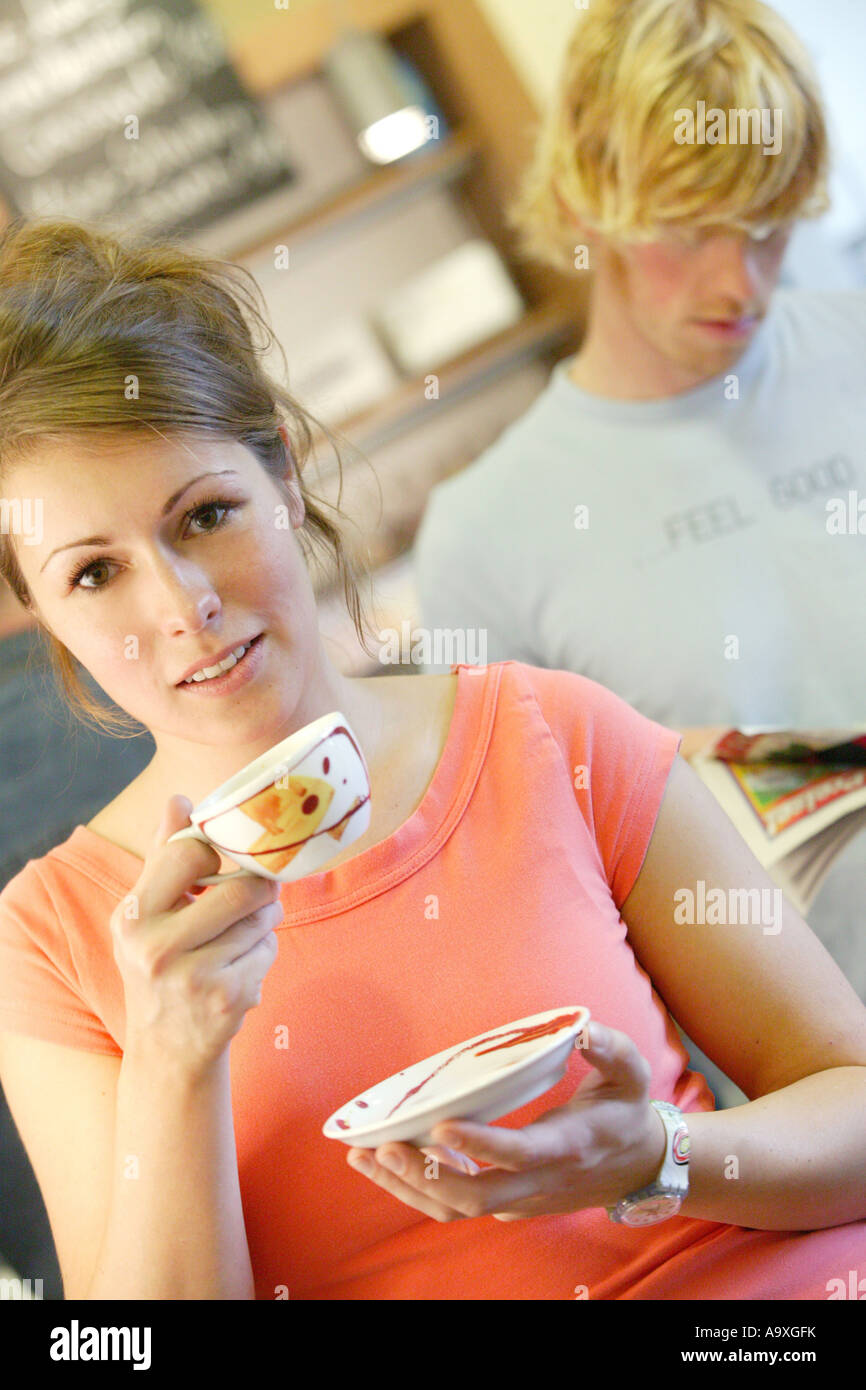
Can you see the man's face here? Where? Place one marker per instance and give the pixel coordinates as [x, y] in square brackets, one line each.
[172, 588]
[693, 300]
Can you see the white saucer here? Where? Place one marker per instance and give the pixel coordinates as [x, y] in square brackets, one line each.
[482, 1079]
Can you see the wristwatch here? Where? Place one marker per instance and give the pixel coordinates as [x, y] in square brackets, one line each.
[664, 1197]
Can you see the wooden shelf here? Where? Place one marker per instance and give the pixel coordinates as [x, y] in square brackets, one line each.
[492, 118]
[454, 47]
[379, 189]
[548, 326]
[286, 45]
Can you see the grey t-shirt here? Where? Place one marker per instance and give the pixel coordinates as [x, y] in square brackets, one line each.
[701, 582]
[677, 550]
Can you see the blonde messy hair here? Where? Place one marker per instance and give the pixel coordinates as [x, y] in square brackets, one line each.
[606, 153]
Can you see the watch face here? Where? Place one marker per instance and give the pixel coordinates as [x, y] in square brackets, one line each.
[651, 1210]
[681, 1146]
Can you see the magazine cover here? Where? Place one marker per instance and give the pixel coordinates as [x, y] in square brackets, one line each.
[797, 798]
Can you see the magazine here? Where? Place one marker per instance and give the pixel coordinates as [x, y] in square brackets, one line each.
[796, 798]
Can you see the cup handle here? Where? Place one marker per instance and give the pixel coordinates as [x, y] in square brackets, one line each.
[192, 832]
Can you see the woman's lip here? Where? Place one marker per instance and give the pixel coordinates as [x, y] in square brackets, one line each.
[231, 680]
[215, 660]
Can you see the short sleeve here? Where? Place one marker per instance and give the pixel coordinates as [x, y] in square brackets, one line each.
[40, 992]
[619, 763]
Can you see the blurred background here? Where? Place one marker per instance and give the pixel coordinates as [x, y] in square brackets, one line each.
[358, 157]
[410, 324]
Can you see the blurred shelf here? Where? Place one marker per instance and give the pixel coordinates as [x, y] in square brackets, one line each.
[550, 325]
[292, 43]
[454, 48]
[382, 188]
[491, 118]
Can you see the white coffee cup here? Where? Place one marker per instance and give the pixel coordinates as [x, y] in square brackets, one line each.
[292, 809]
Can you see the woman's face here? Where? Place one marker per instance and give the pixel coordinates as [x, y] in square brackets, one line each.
[157, 556]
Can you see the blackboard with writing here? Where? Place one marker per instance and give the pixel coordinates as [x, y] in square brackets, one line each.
[127, 111]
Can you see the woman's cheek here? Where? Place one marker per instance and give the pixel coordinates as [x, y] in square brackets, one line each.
[116, 665]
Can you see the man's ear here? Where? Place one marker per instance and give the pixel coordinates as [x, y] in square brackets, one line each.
[291, 478]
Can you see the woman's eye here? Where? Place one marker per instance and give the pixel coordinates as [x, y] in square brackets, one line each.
[216, 506]
[76, 578]
[209, 507]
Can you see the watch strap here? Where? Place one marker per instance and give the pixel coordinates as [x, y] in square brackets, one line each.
[672, 1179]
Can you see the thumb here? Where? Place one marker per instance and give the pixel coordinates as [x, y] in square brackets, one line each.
[175, 816]
[451, 1159]
[616, 1057]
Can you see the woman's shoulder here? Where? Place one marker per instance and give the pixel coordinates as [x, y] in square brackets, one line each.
[574, 706]
[44, 881]
[55, 948]
[68, 869]
[574, 700]
[29, 898]
[612, 745]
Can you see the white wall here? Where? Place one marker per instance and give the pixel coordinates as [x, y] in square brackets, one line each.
[831, 253]
[533, 34]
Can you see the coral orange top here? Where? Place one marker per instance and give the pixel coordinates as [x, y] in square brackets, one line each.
[498, 898]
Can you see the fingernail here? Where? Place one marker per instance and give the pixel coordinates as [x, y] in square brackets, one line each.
[362, 1162]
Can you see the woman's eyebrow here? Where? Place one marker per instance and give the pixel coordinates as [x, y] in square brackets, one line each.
[172, 502]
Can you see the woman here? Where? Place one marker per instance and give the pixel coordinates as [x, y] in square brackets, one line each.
[529, 832]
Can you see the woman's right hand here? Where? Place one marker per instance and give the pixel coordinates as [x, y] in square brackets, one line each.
[191, 966]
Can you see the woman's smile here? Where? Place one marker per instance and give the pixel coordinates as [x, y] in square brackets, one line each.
[216, 662]
[241, 673]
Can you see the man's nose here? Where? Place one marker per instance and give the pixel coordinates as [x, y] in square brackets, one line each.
[737, 271]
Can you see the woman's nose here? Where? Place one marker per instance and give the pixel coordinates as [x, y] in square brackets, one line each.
[184, 597]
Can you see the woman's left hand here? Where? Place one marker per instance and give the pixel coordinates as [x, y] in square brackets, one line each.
[605, 1143]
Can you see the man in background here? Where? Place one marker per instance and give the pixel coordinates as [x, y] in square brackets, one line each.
[54, 774]
[658, 520]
